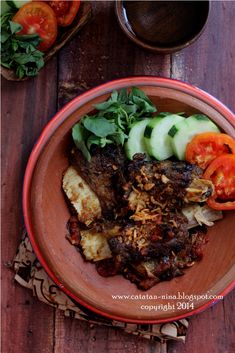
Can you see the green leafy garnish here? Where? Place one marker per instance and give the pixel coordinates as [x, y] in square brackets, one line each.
[99, 126]
[112, 121]
[79, 137]
[18, 52]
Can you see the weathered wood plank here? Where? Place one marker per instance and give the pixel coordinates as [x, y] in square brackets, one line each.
[209, 62]
[101, 53]
[210, 331]
[229, 322]
[72, 335]
[27, 326]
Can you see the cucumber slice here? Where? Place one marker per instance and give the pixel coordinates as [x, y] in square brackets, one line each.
[135, 143]
[156, 136]
[183, 132]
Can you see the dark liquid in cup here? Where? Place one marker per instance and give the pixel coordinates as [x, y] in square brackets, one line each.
[165, 23]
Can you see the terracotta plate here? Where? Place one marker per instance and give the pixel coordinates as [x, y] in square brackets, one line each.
[46, 215]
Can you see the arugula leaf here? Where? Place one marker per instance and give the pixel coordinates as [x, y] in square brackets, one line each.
[105, 141]
[79, 137]
[104, 105]
[15, 27]
[93, 140]
[114, 96]
[4, 36]
[138, 93]
[99, 126]
[143, 104]
[20, 71]
[119, 138]
[19, 52]
[123, 96]
[6, 17]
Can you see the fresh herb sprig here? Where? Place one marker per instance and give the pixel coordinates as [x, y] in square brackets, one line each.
[112, 121]
[18, 52]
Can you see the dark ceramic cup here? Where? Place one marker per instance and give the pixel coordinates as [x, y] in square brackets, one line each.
[162, 26]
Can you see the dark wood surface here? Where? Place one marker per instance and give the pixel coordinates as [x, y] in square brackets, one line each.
[99, 53]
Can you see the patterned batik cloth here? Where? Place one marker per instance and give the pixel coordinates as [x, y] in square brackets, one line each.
[30, 274]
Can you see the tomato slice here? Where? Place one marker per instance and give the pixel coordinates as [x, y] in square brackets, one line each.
[38, 17]
[221, 172]
[67, 18]
[205, 147]
[59, 7]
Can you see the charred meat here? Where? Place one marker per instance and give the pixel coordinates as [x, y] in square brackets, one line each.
[100, 174]
[140, 230]
[168, 185]
[146, 253]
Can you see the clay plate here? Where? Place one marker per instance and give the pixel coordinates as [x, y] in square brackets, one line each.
[46, 215]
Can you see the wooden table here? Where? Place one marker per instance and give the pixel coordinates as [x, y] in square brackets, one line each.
[100, 53]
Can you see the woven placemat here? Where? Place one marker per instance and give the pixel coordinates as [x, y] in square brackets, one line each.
[30, 274]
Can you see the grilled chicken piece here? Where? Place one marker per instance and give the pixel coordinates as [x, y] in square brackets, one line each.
[165, 185]
[137, 241]
[138, 228]
[133, 242]
[147, 254]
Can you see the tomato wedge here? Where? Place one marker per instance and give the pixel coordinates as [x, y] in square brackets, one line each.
[67, 18]
[38, 17]
[59, 7]
[205, 147]
[221, 172]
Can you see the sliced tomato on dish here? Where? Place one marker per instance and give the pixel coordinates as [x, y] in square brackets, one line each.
[38, 17]
[221, 172]
[59, 7]
[205, 147]
[67, 18]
